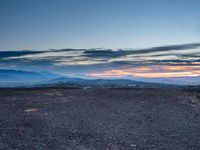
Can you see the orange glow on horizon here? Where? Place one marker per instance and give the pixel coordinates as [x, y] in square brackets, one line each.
[154, 71]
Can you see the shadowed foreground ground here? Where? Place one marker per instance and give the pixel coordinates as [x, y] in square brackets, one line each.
[113, 119]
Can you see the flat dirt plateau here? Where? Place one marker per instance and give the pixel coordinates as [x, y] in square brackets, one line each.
[102, 119]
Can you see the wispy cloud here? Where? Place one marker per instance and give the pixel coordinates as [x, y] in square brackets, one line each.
[106, 60]
[153, 71]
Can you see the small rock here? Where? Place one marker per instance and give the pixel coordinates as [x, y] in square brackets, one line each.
[31, 110]
[133, 145]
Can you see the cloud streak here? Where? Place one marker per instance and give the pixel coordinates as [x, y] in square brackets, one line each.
[75, 61]
[153, 71]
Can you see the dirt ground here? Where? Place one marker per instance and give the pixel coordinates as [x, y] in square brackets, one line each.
[99, 119]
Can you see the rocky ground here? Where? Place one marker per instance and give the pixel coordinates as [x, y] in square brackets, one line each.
[99, 119]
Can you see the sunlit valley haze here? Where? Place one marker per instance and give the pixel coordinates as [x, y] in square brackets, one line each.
[140, 40]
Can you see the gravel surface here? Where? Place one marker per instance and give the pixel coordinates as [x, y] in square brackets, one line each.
[99, 119]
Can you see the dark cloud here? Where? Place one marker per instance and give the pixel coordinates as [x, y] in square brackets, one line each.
[105, 53]
[168, 48]
[5, 54]
[82, 60]
[110, 53]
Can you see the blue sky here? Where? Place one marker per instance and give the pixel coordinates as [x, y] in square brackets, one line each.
[108, 38]
[46, 24]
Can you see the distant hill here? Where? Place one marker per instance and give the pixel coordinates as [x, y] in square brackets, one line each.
[193, 80]
[101, 83]
[10, 77]
[19, 78]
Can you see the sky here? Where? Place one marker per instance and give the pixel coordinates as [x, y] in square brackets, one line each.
[47, 24]
[101, 38]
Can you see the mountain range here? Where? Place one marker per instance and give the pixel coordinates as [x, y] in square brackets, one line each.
[20, 78]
